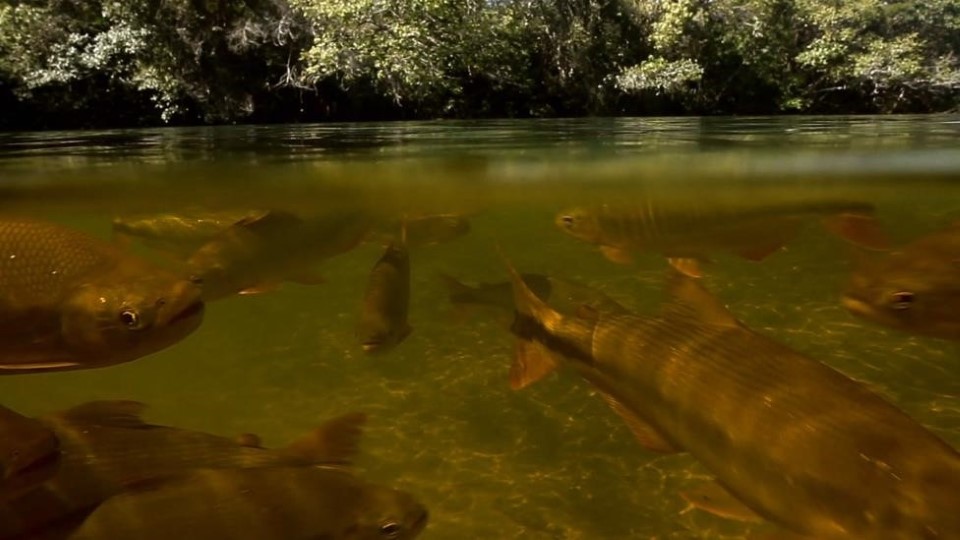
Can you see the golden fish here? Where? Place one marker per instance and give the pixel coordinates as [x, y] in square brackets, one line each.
[105, 447]
[271, 503]
[687, 235]
[386, 301]
[179, 234]
[915, 288]
[789, 439]
[256, 254]
[71, 301]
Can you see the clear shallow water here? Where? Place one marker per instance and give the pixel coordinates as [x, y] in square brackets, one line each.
[550, 461]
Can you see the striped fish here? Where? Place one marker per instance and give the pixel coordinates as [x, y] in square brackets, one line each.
[688, 234]
[788, 439]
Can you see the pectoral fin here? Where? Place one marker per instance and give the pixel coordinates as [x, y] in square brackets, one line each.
[689, 299]
[259, 289]
[713, 498]
[861, 230]
[648, 436]
[686, 266]
[617, 255]
[532, 361]
[337, 441]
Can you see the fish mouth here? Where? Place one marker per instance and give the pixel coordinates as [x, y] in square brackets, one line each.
[371, 346]
[194, 309]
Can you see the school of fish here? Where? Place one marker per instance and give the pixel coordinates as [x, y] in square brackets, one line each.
[789, 441]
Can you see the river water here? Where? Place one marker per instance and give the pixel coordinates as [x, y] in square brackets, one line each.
[550, 461]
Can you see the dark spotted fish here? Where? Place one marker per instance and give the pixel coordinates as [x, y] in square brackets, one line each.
[915, 288]
[71, 301]
[788, 438]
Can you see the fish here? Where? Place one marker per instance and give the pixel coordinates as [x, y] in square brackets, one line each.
[71, 301]
[564, 295]
[256, 254]
[687, 235]
[787, 438]
[105, 447]
[425, 230]
[915, 288]
[271, 503]
[29, 452]
[179, 234]
[384, 310]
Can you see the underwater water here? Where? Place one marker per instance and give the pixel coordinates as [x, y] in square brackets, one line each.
[550, 461]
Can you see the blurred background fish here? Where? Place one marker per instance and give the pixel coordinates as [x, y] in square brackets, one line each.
[915, 288]
[258, 253]
[71, 301]
[386, 301]
[425, 230]
[29, 452]
[104, 447]
[687, 234]
[178, 234]
[789, 439]
[274, 503]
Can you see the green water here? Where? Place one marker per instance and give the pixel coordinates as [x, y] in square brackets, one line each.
[550, 461]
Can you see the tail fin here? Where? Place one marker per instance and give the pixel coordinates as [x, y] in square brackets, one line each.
[528, 304]
[457, 291]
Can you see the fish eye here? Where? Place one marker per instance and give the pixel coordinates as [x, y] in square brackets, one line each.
[902, 300]
[390, 529]
[196, 280]
[568, 220]
[130, 318]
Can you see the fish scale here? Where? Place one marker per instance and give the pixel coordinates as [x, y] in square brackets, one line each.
[39, 262]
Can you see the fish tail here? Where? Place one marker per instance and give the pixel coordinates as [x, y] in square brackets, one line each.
[526, 303]
[861, 229]
[457, 291]
[532, 359]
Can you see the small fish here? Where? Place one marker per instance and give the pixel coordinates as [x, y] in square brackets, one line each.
[427, 230]
[29, 452]
[687, 235]
[105, 447]
[564, 295]
[256, 254]
[71, 301]
[788, 439]
[386, 301]
[915, 288]
[179, 234]
[273, 503]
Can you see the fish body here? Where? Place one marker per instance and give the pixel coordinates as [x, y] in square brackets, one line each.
[29, 452]
[71, 301]
[426, 230]
[688, 234]
[258, 253]
[915, 288]
[282, 503]
[794, 441]
[105, 447]
[182, 233]
[386, 301]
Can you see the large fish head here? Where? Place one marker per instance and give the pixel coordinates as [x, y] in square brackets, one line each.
[908, 293]
[389, 514]
[580, 223]
[122, 315]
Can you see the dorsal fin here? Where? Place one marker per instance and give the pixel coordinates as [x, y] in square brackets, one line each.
[269, 222]
[337, 441]
[688, 299]
[115, 413]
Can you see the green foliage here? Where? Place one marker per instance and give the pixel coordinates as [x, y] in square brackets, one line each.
[229, 60]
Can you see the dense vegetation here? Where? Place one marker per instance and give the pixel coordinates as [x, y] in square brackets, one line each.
[135, 62]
